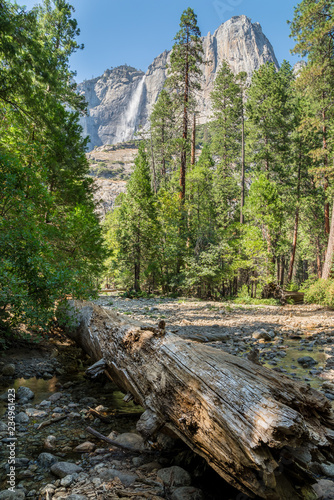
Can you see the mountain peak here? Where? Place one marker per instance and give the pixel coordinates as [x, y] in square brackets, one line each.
[121, 100]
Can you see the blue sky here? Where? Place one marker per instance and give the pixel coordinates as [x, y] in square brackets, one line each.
[134, 32]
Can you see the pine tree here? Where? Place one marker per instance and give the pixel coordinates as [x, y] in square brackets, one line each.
[163, 135]
[183, 79]
[134, 226]
[313, 29]
[226, 126]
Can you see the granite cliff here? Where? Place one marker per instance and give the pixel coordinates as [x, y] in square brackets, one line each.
[120, 101]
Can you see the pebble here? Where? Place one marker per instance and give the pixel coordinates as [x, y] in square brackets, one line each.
[85, 447]
[50, 442]
[67, 481]
[262, 334]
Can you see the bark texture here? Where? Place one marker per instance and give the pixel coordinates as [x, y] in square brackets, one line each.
[327, 269]
[257, 428]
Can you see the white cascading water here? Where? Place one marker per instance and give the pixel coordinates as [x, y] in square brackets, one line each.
[129, 119]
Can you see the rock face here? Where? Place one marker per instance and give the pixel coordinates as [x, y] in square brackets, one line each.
[121, 100]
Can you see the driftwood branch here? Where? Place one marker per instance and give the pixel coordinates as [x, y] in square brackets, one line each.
[118, 445]
[257, 428]
[51, 421]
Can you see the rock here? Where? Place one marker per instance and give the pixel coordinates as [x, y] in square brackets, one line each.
[307, 361]
[47, 459]
[131, 439]
[33, 412]
[127, 479]
[22, 418]
[272, 334]
[86, 447]
[49, 488]
[55, 396]
[67, 481]
[174, 476]
[3, 427]
[151, 466]
[50, 442]
[187, 493]
[62, 469]
[328, 387]
[110, 96]
[328, 470]
[324, 489]
[8, 370]
[24, 392]
[74, 496]
[261, 335]
[12, 495]
[45, 404]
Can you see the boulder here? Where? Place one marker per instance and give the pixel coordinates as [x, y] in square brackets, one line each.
[62, 469]
[187, 493]
[12, 495]
[324, 489]
[47, 459]
[307, 361]
[8, 370]
[24, 392]
[22, 418]
[131, 439]
[174, 476]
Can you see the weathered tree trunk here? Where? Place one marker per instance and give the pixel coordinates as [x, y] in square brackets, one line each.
[326, 272]
[193, 142]
[257, 428]
[242, 200]
[295, 232]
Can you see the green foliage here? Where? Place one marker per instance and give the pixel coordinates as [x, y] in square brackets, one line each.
[320, 292]
[244, 297]
[192, 240]
[132, 229]
[50, 240]
[226, 126]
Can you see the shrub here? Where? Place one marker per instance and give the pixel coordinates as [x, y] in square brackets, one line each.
[320, 292]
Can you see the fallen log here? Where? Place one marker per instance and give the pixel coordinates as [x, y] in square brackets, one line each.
[261, 431]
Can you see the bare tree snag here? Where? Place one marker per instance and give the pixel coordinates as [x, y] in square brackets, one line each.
[257, 428]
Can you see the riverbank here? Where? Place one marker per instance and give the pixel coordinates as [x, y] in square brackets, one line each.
[297, 340]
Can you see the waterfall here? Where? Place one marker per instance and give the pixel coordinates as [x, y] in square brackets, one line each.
[130, 117]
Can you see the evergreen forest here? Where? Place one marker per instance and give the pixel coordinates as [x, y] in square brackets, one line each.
[218, 210]
[214, 210]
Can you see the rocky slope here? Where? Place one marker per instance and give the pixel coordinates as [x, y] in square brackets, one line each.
[111, 167]
[120, 101]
